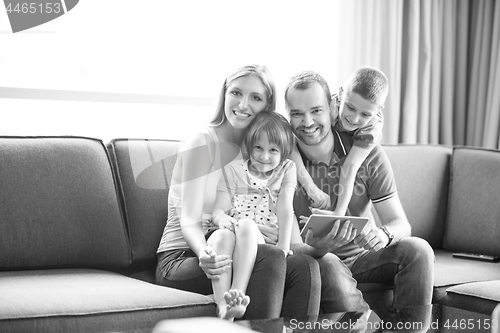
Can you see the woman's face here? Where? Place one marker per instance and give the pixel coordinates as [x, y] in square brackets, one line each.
[245, 97]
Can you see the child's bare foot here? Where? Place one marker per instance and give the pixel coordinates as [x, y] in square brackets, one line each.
[236, 305]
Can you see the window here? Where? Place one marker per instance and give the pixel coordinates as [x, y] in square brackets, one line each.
[152, 68]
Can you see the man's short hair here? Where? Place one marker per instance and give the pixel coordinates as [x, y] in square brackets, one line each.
[305, 80]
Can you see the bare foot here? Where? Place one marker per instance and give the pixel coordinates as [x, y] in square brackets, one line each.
[236, 305]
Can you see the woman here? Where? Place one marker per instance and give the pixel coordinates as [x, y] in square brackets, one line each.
[185, 260]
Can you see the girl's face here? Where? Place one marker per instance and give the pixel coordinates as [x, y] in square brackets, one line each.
[245, 97]
[264, 157]
[355, 111]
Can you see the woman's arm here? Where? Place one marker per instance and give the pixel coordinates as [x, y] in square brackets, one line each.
[195, 168]
[196, 164]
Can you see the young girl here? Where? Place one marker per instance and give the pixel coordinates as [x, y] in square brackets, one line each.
[255, 195]
[364, 125]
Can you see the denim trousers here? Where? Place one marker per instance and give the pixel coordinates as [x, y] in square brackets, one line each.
[407, 265]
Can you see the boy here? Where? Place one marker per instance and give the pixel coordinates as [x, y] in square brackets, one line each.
[365, 126]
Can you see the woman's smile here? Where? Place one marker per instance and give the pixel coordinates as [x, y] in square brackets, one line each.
[241, 113]
[245, 97]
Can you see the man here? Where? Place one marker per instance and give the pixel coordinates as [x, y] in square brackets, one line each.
[382, 255]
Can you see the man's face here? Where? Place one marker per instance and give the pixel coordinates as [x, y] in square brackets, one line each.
[309, 114]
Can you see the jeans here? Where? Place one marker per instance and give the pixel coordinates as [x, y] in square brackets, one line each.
[277, 287]
[408, 265]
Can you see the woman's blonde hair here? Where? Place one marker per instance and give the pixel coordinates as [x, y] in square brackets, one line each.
[258, 71]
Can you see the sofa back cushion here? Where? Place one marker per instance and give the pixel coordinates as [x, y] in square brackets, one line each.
[473, 223]
[422, 179]
[59, 205]
[144, 169]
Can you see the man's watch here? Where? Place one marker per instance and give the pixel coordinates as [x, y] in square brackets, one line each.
[389, 234]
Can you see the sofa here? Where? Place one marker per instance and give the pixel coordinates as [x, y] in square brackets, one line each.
[75, 245]
[451, 196]
[80, 221]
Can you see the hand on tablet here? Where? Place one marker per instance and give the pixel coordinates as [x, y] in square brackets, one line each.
[371, 239]
[336, 238]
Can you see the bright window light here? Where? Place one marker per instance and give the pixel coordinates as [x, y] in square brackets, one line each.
[155, 48]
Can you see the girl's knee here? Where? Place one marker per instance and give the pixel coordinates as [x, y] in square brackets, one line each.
[247, 228]
[246, 224]
[222, 240]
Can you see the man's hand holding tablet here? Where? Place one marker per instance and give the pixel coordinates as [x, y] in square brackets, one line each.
[323, 224]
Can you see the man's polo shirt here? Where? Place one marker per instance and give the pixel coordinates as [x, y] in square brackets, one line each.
[374, 183]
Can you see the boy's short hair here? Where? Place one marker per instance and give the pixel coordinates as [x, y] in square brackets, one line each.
[278, 130]
[306, 79]
[370, 83]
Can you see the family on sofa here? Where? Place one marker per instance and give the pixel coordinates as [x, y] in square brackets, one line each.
[247, 275]
[84, 244]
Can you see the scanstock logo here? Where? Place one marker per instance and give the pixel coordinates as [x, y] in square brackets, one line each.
[26, 14]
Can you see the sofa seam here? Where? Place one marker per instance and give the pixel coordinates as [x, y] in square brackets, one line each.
[120, 197]
[450, 193]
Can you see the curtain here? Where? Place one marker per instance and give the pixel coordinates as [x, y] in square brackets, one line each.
[442, 58]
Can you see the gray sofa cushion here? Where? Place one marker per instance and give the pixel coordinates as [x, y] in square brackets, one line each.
[450, 271]
[144, 168]
[489, 290]
[480, 297]
[422, 178]
[474, 209]
[59, 205]
[87, 300]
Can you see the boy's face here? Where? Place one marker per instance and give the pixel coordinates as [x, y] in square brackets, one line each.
[309, 114]
[355, 111]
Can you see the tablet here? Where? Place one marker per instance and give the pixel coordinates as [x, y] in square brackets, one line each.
[323, 224]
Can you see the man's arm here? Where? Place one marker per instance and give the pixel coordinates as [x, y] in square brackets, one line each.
[392, 215]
